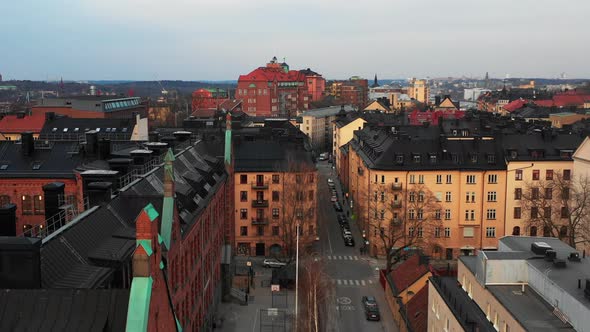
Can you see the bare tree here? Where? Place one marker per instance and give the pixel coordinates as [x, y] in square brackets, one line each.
[559, 207]
[297, 206]
[400, 219]
[315, 296]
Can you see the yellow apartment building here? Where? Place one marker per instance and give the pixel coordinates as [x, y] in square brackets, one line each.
[419, 90]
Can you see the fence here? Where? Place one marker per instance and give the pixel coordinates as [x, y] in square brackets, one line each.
[273, 320]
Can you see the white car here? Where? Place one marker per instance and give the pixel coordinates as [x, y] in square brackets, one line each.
[272, 263]
[330, 181]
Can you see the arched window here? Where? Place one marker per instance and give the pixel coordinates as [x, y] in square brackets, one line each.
[533, 231]
[4, 199]
[516, 230]
[563, 231]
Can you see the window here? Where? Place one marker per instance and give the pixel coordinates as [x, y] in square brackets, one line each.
[547, 212]
[518, 175]
[260, 230]
[412, 179]
[533, 231]
[491, 214]
[275, 178]
[493, 178]
[438, 196]
[447, 231]
[421, 196]
[375, 196]
[564, 212]
[243, 196]
[276, 196]
[310, 195]
[382, 178]
[437, 214]
[299, 213]
[243, 213]
[491, 159]
[448, 214]
[567, 174]
[548, 193]
[437, 232]
[299, 196]
[411, 214]
[534, 193]
[439, 179]
[420, 214]
[421, 179]
[275, 213]
[469, 214]
[517, 212]
[411, 196]
[298, 178]
[470, 179]
[420, 232]
[411, 231]
[491, 196]
[4, 199]
[399, 159]
[448, 196]
[416, 158]
[549, 174]
[565, 193]
[470, 197]
[517, 194]
[275, 230]
[244, 231]
[243, 179]
[38, 204]
[27, 204]
[310, 230]
[534, 212]
[449, 179]
[536, 173]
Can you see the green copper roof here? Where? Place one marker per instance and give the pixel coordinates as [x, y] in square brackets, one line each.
[168, 160]
[161, 265]
[167, 220]
[138, 310]
[151, 212]
[178, 327]
[160, 239]
[169, 155]
[147, 246]
[227, 153]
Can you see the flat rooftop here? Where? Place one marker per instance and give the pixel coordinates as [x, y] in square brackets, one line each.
[529, 309]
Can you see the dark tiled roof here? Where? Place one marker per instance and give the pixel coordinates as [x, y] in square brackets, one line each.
[98, 310]
[268, 155]
[461, 305]
[57, 126]
[549, 144]
[55, 160]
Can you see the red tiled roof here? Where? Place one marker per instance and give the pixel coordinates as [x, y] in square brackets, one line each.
[230, 104]
[273, 74]
[204, 112]
[405, 274]
[417, 310]
[515, 105]
[12, 124]
[565, 99]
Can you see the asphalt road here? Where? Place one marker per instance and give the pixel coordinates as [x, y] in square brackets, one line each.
[352, 275]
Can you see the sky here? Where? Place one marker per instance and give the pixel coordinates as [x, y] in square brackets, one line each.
[221, 39]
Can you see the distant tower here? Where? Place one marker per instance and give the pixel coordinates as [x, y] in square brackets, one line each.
[487, 81]
[375, 83]
[0, 77]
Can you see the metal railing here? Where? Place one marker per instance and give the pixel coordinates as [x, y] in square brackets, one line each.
[67, 213]
[259, 221]
[260, 203]
[259, 185]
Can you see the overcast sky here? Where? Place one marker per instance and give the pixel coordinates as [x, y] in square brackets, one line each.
[221, 39]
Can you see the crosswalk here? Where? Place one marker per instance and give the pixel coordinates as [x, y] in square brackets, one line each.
[351, 282]
[343, 257]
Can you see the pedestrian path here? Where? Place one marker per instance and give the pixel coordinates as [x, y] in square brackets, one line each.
[343, 257]
[351, 282]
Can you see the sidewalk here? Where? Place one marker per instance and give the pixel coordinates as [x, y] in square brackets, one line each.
[248, 318]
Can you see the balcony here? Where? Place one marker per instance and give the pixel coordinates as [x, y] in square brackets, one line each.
[260, 203]
[396, 186]
[396, 203]
[259, 185]
[259, 221]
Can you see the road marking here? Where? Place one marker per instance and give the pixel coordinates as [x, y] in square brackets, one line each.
[339, 282]
[356, 258]
[351, 282]
[370, 281]
[344, 300]
[345, 282]
[329, 257]
[339, 257]
[363, 282]
[350, 257]
[357, 282]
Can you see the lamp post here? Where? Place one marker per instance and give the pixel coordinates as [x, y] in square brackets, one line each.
[296, 276]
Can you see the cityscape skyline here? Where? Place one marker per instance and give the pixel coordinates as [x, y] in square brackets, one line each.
[117, 41]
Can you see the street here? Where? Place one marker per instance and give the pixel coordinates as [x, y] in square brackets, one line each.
[353, 275]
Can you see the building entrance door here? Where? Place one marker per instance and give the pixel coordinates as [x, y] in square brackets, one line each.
[260, 250]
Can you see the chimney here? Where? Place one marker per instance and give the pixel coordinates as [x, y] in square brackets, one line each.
[99, 193]
[97, 175]
[91, 142]
[121, 165]
[51, 192]
[27, 143]
[8, 220]
[49, 116]
[21, 262]
[141, 156]
[170, 140]
[104, 149]
[182, 136]
[154, 136]
[436, 100]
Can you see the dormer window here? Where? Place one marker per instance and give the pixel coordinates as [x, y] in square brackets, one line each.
[491, 158]
[513, 154]
[399, 159]
[433, 158]
[473, 158]
[465, 132]
[455, 158]
[417, 158]
[565, 154]
[537, 154]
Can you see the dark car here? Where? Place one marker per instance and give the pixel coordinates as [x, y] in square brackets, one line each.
[337, 206]
[349, 241]
[371, 308]
[340, 218]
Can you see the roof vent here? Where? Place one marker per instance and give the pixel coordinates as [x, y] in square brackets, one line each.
[574, 257]
[539, 248]
[550, 255]
[559, 263]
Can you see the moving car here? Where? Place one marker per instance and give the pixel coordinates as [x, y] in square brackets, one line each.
[349, 241]
[271, 262]
[371, 308]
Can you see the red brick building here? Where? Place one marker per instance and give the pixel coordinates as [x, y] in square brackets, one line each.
[316, 84]
[203, 99]
[354, 91]
[275, 90]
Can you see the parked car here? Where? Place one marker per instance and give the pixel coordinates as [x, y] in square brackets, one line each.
[334, 199]
[331, 185]
[371, 308]
[337, 206]
[349, 241]
[330, 181]
[341, 219]
[346, 232]
[271, 262]
[345, 225]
